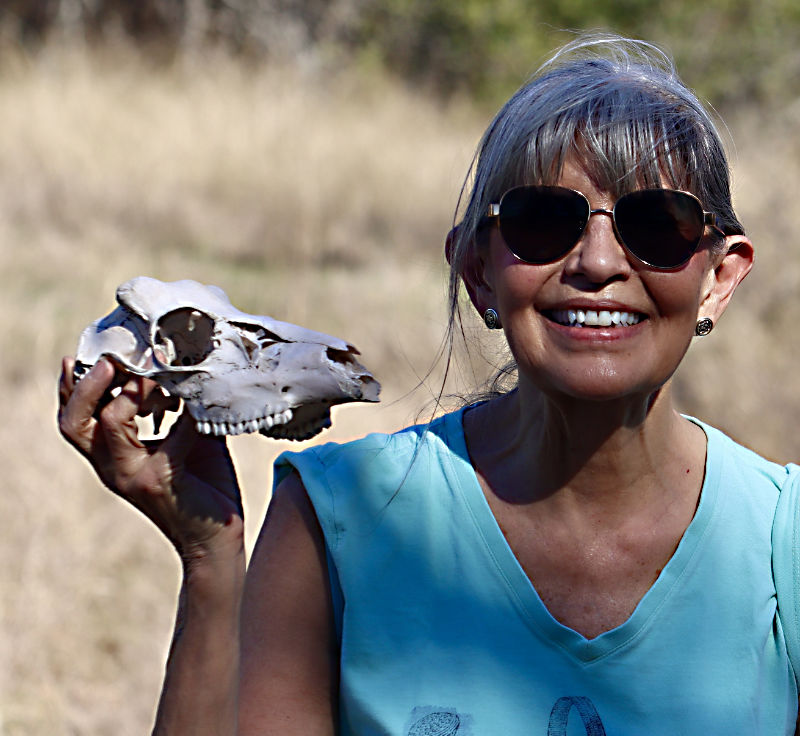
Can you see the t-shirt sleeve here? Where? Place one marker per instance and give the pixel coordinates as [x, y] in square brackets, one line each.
[786, 562]
[349, 486]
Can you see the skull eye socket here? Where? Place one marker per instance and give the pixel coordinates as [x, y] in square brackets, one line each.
[183, 336]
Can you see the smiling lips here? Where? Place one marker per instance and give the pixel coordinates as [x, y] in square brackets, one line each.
[594, 318]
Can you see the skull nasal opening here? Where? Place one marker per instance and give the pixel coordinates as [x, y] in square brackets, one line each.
[183, 336]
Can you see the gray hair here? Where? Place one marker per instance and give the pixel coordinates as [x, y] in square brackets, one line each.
[616, 104]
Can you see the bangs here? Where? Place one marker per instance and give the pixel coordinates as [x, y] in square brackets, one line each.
[625, 140]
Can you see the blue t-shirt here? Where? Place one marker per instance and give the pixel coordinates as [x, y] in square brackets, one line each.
[443, 634]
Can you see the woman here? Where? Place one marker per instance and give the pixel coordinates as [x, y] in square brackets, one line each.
[572, 556]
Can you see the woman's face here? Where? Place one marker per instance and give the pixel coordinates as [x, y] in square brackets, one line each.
[598, 276]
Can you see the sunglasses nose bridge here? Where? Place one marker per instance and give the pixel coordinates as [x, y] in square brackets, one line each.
[613, 217]
[608, 213]
[595, 253]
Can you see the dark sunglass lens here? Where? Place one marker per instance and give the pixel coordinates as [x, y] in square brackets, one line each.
[660, 227]
[540, 224]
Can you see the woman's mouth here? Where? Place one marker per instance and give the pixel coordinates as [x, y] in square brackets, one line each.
[594, 318]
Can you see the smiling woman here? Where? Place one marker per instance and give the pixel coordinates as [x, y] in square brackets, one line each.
[571, 554]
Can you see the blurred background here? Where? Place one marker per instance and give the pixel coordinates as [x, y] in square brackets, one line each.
[306, 156]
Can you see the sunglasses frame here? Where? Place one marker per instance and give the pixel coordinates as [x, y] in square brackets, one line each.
[709, 219]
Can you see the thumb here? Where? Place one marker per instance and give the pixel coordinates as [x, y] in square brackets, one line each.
[78, 403]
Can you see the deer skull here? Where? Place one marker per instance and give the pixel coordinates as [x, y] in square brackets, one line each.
[236, 372]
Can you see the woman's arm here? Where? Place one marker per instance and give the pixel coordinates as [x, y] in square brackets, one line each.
[200, 693]
[290, 653]
[287, 683]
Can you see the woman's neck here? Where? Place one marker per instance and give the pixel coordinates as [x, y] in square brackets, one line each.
[610, 456]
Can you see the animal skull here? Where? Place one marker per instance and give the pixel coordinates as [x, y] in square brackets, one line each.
[236, 372]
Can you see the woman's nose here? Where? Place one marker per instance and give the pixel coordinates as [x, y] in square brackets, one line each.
[599, 256]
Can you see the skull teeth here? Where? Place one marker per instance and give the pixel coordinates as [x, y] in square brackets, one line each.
[251, 425]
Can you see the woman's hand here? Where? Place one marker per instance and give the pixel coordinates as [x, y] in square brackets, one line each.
[185, 484]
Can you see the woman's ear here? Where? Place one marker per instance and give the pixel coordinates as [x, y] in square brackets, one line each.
[728, 272]
[472, 269]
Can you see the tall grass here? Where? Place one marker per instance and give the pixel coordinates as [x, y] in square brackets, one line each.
[317, 198]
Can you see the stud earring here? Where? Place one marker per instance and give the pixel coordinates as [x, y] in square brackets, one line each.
[492, 319]
[703, 326]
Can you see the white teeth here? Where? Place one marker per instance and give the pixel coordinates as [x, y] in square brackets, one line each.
[251, 425]
[595, 318]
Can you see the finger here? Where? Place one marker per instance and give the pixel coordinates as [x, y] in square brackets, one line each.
[148, 387]
[154, 396]
[117, 418]
[156, 399]
[76, 417]
[66, 382]
[68, 372]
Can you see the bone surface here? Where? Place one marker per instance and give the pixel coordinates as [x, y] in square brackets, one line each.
[235, 372]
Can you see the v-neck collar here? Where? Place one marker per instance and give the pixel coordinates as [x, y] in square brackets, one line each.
[527, 600]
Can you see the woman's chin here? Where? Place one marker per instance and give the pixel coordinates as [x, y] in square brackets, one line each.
[601, 386]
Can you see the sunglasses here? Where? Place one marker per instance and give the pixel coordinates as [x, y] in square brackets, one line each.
[659, 227]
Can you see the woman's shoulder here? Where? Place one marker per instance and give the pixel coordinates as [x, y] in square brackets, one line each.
[352, 484]
[740, 463]
[385, 448]
[376, 461]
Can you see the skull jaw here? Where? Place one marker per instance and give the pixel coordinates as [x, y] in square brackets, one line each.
[307, 422]
[292, 401]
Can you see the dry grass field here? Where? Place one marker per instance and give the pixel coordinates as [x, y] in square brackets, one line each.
[316, 197]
